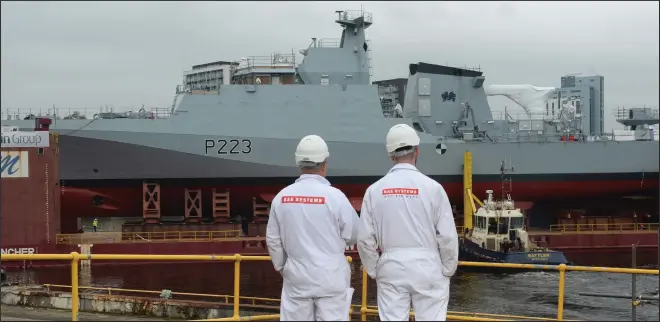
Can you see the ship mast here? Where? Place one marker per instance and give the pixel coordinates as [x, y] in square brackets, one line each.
[503, 170]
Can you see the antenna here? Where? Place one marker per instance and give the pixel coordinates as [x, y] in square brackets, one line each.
[503, 170]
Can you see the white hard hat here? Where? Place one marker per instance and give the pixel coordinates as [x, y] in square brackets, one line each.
[312, 148]
[399, 136]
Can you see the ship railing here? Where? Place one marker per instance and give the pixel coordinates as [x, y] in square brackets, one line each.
[604, 227]
[332, 43]
[272, 61]
[364, 308]
[84, 113]
[349, 15]
[198, 89]
[159, 112]
[522, 116]
[144, 237]
[623, 112]
[328, 43]
[533, 136]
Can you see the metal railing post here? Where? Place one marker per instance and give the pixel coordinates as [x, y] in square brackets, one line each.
[363, 306]
[237, 286]
[562, 286]
[74, 286]
[634, 284]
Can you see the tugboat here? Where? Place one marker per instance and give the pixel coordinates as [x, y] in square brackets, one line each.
[499, 236]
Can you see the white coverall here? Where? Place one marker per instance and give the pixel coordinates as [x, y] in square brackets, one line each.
[309, 227]
[408, 214]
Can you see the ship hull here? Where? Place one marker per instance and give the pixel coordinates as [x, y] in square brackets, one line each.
[123, 197]
[116, 171]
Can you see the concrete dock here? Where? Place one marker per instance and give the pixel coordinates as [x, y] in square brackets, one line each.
[22, 313]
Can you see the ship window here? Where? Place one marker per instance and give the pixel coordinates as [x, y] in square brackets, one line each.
[553, 108]
[40, 151]
[504, 223]
[481, 222]
[516, 223]
[492, 226]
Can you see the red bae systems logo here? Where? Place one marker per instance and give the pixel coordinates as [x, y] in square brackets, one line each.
[401, 192]
[303, 200]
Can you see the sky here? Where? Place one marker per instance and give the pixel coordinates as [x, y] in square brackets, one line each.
[125, 54]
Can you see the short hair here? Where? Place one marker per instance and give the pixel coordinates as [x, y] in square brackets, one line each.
[402, 151]
[309, 165]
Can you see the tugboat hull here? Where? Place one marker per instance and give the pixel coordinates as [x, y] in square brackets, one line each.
[469, 251]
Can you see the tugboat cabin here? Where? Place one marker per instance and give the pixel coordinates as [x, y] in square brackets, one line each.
[499, 226]
[499, 235]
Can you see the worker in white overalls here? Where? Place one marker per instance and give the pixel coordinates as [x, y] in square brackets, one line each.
[408, 216]
[309, 227]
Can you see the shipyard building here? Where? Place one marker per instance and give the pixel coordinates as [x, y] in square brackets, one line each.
[274, 69]
[208, 76]
[586, 94]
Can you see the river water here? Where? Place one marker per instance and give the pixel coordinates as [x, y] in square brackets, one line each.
[525, 293]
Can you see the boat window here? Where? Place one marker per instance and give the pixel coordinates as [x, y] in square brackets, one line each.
[504, 224]
[481, 222]
[492, 226]
[516, 223]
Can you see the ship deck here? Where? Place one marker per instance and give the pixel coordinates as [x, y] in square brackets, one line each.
[236, 235]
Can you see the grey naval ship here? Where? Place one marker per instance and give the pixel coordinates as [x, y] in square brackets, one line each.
[239, 133]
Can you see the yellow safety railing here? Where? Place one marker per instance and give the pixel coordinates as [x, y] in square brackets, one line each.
[604, 227]
[364, 308]
[75, 258]
[145, 237]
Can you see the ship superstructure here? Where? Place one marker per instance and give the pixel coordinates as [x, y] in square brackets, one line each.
[241, 136]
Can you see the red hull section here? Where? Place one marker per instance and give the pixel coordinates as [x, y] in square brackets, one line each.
[601, 240]
[30, 205]
[127, 202]
[598, 248]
